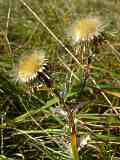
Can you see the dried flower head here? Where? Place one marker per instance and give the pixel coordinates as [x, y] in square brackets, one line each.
[30, 65]
[84, 140]
[86, 29]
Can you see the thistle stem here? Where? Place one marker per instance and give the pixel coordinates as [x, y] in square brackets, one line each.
[74, 140]
[74, 144]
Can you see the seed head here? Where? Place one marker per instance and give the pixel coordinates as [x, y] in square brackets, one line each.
[30, 65]
[86, 29]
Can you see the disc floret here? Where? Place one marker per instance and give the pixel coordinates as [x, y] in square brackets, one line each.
[30, 65]
[86, 30]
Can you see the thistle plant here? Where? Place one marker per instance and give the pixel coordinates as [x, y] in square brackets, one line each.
[77, 75]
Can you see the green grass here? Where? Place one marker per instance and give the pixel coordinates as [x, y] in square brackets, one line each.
[31, 127]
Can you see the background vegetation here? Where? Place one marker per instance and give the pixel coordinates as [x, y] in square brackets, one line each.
[32, 125]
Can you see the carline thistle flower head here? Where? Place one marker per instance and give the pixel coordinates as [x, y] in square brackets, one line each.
[30, 65]
[86, 30]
